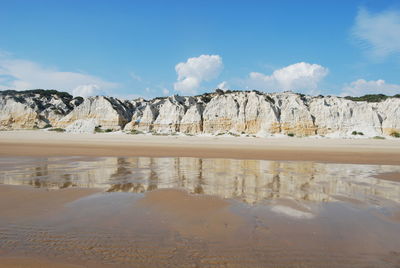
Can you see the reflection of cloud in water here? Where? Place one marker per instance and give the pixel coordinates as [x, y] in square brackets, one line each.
[291, 212]
[250, 181]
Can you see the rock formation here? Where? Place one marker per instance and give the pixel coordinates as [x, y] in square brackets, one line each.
[238, 112]
[34, 108]
[170, 114]
[107, 112]
[82, 126]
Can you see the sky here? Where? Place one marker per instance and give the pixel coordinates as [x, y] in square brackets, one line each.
[131, 49]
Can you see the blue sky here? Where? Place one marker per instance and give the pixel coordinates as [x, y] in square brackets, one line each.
[154, 48]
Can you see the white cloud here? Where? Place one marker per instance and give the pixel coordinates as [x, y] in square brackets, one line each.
[23, 74]
[86, 90]
[362, 87]
[379, 33]
[223, 85]
[196, 70]
[298, 76]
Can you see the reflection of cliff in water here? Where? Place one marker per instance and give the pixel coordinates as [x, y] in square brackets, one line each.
[247, 180]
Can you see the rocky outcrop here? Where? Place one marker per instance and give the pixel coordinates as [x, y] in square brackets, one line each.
[295, 116]
[217, 120]
[82, 126]
[239, 112]
[143, 118]
[261, 115]
[341, 116]
[389, 111]
[192, 121]
[107, 112]
[170, 114]
[34, 108]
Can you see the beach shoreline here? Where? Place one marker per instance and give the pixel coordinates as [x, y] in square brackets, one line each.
[207, 211]
[352, 151]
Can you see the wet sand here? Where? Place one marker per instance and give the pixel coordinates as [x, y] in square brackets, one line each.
[201, 216]
[65, 201]
[390, 176]
[21, 202]
[32, 263]
[357, 151]
[174, 228]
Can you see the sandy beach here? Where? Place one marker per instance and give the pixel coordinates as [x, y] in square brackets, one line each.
[116, 200]
[356, 151]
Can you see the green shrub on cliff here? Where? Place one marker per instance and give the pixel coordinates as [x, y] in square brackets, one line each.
[395, 134]
[57, 129]
[372, 97]
[135, 132]
[357, 133]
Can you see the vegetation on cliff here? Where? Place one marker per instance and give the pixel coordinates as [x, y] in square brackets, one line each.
[372, 97]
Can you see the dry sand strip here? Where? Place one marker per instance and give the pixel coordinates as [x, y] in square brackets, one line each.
[356, 151]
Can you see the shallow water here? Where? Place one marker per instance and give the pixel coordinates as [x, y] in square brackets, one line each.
[145, 211]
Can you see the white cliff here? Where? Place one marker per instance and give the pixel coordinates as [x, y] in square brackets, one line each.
[107, 112]
[170, 115]
[261, 116]
[217, 120]
[295, 117]
[389, 111]
[82, 126]
[341, 116]
[192, 121]
[238, 112]
[143, 119]
[34, 108]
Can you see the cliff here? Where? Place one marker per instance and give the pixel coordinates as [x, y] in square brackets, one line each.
[34, 108]
[239, 112]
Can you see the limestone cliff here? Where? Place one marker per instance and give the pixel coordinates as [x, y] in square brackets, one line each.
[34, 108]
[239, 112]
[107, 112]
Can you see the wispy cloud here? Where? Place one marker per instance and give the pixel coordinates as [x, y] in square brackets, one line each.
[378, 34]
[135, 77]
[165, 91]
[196, 70]
[20, 74]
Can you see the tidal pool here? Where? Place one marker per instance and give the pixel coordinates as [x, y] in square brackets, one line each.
[142, 211]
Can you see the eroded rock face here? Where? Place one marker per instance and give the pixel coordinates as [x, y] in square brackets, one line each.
[261, 115]
[389, 111]
[170, 114]
[192, 121]
[82, 126]
[143, 118]
[295, 116]
[341, 116]
[217, 120]
[34, 108]
[239, 112]
[107, 112]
